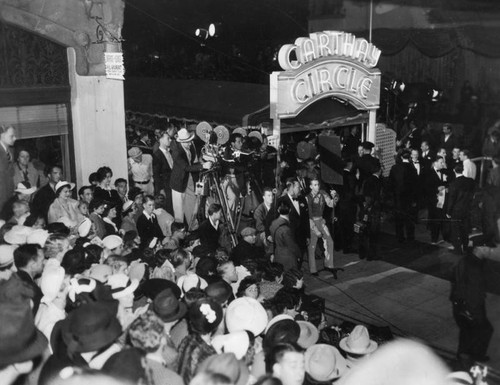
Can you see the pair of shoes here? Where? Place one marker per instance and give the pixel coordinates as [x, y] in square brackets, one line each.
[315, 274]
[334, 271]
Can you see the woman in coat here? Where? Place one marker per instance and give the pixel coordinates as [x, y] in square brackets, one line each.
[286, 250]
[64, 208]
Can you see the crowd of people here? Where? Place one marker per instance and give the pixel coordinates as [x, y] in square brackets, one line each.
[126, 281]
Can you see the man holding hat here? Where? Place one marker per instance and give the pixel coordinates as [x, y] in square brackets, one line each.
[185, 174]
[140, 169]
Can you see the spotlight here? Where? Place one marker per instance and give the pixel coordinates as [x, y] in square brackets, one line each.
[215, 29]
[201, 33]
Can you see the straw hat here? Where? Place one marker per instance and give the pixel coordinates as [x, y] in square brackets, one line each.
[358, 342]
[184, 136]
[22, 188]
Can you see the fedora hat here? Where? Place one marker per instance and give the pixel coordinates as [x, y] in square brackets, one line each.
[324, 362]
[20, 340]
[134, 152]
[168, 307]
[63, 183]
[309, 334]
[184, 136]
[24, 188]
[358, 342]
[246, 313]
[90, 327]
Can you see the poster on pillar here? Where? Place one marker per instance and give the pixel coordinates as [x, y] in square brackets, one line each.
[325, 64]
[115, 68]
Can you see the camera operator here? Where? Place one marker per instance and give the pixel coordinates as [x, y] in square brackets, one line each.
[185, 174]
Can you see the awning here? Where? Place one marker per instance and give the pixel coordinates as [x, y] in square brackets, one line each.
[325, 113]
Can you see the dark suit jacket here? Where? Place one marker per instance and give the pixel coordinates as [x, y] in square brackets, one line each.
[365, 165]
[25, 277]
[263, 218]
[427, 160]
[182, 167]
[148, 230]
[209, 236]
[299, 222]
[6, 177]
[372, 189]
[459, 197]
[431, 185]
[161, 172]
[403, 181]
[452, 142]
[43, 199]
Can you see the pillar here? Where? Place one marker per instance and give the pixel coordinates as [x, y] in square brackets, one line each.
[98, 120]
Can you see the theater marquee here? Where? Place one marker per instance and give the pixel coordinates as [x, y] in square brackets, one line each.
[326, 64]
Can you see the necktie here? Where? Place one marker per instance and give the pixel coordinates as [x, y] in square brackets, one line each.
[9, 157]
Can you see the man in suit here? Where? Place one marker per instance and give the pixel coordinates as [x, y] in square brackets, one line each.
[185, 174]
[351, 143]
[163, 162]
[7, 140]
[435, 182]
[347, 208]
[449, 140]
[458, 206]
[209, 230]
[370, 215]
[299, 216]
[363, 167]
[264, 215]
[427, 156]
[29, 260]
[403, 182]
[46, 195]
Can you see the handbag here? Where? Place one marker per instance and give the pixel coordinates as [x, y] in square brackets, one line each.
[359, 227]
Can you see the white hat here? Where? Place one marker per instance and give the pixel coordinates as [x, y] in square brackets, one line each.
[358, 341]
[112, 242]
[278, 318]
[184, 136]
[17, 235]
[38, 236]
[121, 285]
[246, 313]
[84, 227]
[6, 255]
[80, 285]
[127, 205]
[309, 334]
[63, 183]
[51, 280]
[236, 342]
[324, 362]
[190, 281]
[23, 189]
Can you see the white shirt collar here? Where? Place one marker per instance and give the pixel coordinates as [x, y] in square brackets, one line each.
[214, 225]
[148, 216]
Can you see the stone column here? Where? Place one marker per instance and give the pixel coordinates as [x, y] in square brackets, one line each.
[98, 118]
